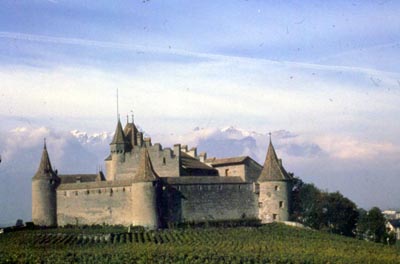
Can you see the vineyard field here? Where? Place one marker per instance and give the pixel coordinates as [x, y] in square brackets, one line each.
[272, 243]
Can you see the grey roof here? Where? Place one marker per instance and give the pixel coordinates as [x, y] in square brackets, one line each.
[225, 161]
[72, 178]
[395, 223]
[272, 170]
[202, 180]
[145, 172]
[188, 162]
[45, 171]
[119, 137]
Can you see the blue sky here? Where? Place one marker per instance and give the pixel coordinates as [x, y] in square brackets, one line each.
[326, 70]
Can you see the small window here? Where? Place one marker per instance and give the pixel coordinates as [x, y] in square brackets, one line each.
[275, 217]
[260, 204]
[163, 161]
[111, 192]
[276, 188]
[87, 192]
[123, 189]
[240, 187]
[99, 191]
[281, 204]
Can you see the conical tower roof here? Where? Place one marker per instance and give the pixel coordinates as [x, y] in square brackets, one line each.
[145, 172]
[119, 137]
[130, 132]
[44, 171]
[273, 170]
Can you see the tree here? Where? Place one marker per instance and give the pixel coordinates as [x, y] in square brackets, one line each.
[340, 214]
[372, 226]
[322, 210]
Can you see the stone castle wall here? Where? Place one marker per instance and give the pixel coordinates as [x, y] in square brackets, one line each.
[232, 170]
[94, 204]
[207, 202]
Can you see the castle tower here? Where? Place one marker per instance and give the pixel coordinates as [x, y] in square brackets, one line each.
[44, 184]
[144, 194]
[275, 189]
[118, 147]
[131, 133]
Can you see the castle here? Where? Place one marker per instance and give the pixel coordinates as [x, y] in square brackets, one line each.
[151, 186]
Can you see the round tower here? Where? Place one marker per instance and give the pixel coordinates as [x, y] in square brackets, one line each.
[118, 147]
[275, 190]
[44, 197]
[144, 194]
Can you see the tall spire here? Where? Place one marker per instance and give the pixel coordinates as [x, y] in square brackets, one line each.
[145, 172]
[117, 105]
[45, 170]
[272, 170]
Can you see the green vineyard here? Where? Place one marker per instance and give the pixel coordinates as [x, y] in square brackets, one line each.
[273, 243]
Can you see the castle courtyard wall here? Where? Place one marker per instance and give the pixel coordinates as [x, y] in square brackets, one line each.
[94, 205]
[207, 202]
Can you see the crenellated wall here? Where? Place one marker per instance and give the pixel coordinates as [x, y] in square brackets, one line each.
[123, 165]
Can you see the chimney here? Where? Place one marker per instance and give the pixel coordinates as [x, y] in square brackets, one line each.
[184, 148]
[203, 156]
[147, 142]
[177, 150]
[193, 152]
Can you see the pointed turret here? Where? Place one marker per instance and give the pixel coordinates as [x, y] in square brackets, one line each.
[273, 169]
[145, 193]
[44, 199]
[119, 137]
[275, 189]
[145, 172]
[44, 171]
[118, 144]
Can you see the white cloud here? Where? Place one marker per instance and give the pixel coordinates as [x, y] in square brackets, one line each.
[354, 149]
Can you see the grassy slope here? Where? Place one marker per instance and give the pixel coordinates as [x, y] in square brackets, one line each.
[274, 243]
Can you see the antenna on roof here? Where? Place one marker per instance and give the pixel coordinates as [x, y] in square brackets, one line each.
[269, 136]
[117, 105]
[132, 115]
[44, 144]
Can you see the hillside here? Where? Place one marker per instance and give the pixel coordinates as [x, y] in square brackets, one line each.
[273, 243]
